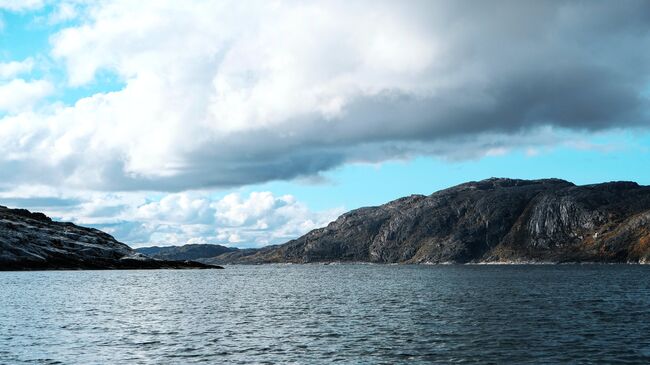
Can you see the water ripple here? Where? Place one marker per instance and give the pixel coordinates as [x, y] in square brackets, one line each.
[360, 314]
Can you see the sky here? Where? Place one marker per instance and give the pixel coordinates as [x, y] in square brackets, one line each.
[251, 123]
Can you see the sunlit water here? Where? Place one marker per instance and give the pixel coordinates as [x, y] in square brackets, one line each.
[320, 314]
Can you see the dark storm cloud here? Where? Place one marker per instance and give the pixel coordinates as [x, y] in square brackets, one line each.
[502, 71]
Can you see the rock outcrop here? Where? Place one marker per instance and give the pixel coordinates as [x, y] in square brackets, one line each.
[494, 220]
[32, 241]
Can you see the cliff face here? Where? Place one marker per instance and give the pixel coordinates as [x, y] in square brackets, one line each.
[494, 220]
[33, 241]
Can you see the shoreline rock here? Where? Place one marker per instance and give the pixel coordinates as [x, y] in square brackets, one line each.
[32, 241]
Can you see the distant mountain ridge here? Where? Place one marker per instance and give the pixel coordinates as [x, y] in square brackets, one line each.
[32, 241]
[185, 252]
[493, 220]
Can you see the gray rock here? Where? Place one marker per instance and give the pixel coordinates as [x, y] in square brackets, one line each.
[185, 252]
[494, 220]
[31, 241]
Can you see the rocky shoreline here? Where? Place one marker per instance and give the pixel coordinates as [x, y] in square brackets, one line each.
[33, 241]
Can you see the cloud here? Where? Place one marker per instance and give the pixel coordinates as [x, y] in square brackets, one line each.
[178, 208]
[21, 5]
[253, 220]
[226, 94]
[64, 11]
[9, 70]
[19, 95]
[233, 211]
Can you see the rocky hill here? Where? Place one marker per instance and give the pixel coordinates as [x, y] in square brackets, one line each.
[494, 220]
[185, 252]
[30, 241]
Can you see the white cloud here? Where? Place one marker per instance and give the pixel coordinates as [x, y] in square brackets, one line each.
[177, 208]
[263, 218]
[221, 94]
[232, 210]
[21, 5]
[9, 70]
[243, 69]
[19, 95]
[64, 11]
[257, 219]
[254, 220]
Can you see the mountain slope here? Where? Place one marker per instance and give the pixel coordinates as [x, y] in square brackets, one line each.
[185, 252]
[494, 220]
[31, 241]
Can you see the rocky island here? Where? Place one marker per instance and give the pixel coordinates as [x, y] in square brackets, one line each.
[33, 241]
[491, 221]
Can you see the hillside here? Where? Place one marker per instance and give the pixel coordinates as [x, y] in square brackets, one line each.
[494, 220]
[185, 252]
[31, 241]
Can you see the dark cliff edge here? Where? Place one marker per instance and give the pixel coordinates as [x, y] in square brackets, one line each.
[32, 241]
[491, 221]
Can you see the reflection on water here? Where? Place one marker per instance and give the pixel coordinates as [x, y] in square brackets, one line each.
[319, 314]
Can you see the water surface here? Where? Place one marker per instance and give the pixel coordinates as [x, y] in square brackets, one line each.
[361, 314]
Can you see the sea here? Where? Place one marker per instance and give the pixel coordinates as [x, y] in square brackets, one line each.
[322, 314]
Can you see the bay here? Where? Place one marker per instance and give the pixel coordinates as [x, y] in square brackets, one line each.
[304, 314]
